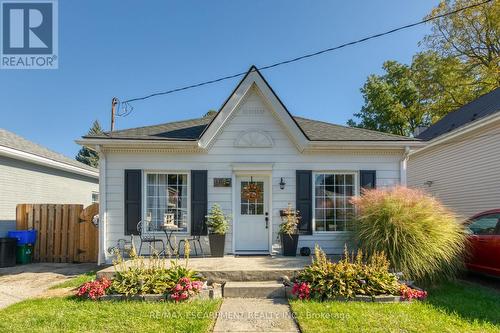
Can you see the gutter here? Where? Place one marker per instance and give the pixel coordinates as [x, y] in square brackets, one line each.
[343, 145]
[403, 167]
[101, 257]
[32, 158]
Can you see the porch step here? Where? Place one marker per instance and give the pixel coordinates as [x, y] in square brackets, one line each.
[254, 289]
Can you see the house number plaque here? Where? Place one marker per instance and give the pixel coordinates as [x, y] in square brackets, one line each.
[222, 182]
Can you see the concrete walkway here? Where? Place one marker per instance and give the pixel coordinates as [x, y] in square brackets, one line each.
[24, 281]
[255, 315]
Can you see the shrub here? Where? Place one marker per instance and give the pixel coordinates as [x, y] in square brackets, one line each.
[217, 220]
[346, 278]
[149, 277]
[94, 289]
[421, 238]
[290, 221]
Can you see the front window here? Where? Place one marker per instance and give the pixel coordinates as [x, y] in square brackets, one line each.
[167, 199]
[253, 205]
[333, 210]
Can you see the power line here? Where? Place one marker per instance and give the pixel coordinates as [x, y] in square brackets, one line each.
[126, 108]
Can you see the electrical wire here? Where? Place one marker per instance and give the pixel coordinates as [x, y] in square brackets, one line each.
[126, 108]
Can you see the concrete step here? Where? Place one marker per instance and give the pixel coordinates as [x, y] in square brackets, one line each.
[254, 289]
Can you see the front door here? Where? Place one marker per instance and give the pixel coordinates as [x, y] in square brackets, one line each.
[252, 214]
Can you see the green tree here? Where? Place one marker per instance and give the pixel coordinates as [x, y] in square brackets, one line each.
[86, 155]
[393, 102]
[472, 35]
[210, 113]
[460, 64]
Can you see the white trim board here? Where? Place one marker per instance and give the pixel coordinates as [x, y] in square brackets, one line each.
[32, 158]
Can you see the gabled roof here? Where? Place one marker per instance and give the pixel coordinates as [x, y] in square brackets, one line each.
[479, 108]
[204, 129]
[16, 146]
[191, 130]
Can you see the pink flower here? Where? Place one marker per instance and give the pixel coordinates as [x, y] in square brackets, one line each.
[302, 290]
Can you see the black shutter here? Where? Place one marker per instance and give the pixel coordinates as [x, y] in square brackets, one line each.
[304, 200]
[368, 179]
[133, 200]
[199, 202]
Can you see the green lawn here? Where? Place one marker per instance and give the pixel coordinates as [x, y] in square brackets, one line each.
[453, 307]
[77, 281]
[73, 315]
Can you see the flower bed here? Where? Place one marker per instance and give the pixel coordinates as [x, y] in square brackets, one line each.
[151, 280]
[351, 280]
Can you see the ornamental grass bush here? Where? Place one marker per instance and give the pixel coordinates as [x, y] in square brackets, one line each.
[420, 237]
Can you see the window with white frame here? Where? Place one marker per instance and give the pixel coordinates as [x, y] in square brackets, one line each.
[167, 200]
[95, 197]
[333, 210]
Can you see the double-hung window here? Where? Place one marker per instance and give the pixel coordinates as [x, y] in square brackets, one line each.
[333, 210]
[167, 199]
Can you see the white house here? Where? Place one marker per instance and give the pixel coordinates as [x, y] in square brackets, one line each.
[30, 173]
[461, 162]
[185, 167]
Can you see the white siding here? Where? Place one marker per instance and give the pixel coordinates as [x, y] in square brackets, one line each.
[23, 182]
[464, 171]
[285, 157]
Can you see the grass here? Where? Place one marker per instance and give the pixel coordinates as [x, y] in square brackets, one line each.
[452, 307]
[73, 315]
[76, 281]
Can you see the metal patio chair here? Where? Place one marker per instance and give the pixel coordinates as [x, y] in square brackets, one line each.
[145, 236]
[193, 240]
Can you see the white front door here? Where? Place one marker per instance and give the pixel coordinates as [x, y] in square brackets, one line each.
[252, 221]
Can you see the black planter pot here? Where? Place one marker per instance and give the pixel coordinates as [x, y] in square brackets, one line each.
[289, 244]
[217, 244]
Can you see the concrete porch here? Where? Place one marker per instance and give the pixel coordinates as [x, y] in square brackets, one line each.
[238, 268]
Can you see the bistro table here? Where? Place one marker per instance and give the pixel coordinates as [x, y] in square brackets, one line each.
[169, 229]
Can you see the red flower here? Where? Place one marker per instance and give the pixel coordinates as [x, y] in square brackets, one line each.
[94, 289]
[184, 289]
[302, 290]
[408, 293]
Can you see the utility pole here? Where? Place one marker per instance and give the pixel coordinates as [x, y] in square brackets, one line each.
[114, 101]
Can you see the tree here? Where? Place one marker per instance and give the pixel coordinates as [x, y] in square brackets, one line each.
[85, 154]
[461, 63]
[472, 35]
[393, 102]
[210, 113]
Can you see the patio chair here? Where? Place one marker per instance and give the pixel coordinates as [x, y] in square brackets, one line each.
[146, 236]
[192, 241]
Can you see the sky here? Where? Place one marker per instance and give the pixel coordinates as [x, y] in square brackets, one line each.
[127, 49]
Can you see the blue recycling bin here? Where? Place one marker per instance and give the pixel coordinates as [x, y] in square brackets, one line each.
[24, 237]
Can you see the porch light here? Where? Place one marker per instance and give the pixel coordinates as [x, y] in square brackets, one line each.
[282, 184]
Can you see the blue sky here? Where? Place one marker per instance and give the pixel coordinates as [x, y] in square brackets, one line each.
[130, 48]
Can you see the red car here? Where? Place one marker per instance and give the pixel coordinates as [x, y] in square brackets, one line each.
[485, 242]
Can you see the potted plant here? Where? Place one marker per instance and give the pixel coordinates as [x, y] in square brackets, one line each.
[288, 232]
[217, 227]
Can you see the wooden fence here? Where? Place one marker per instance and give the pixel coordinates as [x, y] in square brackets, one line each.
[66, 233]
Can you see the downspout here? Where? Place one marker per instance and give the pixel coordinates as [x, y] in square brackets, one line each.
[402, 167]
[101, 258]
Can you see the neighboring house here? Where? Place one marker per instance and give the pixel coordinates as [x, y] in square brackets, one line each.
[461, 162]
[30, 173]
[183, 168]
